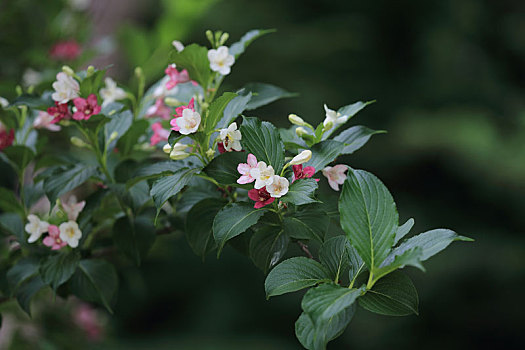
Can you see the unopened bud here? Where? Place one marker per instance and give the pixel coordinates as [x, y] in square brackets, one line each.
[19, 90]
[300, 131]
[177, 45]
[167, 148]
[295, 119]
[328, 126]
[90, 71]
[209, 35]
[172, 102]
[139, 73]
[77, 141]
[301, 158]
[210, 152]
[113, 136]
[68, 70]
[223, 38]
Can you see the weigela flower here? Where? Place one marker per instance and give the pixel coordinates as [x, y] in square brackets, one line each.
[159, 109]
[231, 138]
[35, 228]
[111, 92]
[263, 175]
[175, 76]
[301, 158]
[220, 147]
[159, 134]
[221, 60]
[189, 122]
[86, 107]
[6, 137]
[31, 77]
[70, 233]
[278, 187]
[73, 208]
[87, 318]
[65, 51]
[59, 112]
[3, 102]
[303, 173]
[178, 114]
[334, 117]
[45, 120]
[336, 175]
[245, 170]
[261, 197]
[53, 239]
[66, 88]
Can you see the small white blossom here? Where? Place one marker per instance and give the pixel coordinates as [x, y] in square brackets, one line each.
[189, 122]
[334, 117]
[177, 45]
[70, 233]
[35, 228]
[221, 60]
[66, 88]
[301, 158]
[263, 175]
[336, 175]
[111, 92]
[278, 187]
[231, 138]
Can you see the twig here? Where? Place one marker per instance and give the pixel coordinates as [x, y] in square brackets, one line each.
[304, 248]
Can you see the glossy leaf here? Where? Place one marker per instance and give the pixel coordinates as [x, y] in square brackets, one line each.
[223, 168]
[403, 230]
[324, 153]
[155, 170]
[57, 269]
[267, 246]
[64, 181]
[295, 274]
[22, 271]
[199, 225]
[334, 255]
[309, 222]
[131, 138]
[168, 186]
[27, 291]
[356, 137]
[194, 58]
[216, 111]
[19, 156]
[263, 94]
[237, 48]
[301, 192]
[9, 202]
[327, 300]
[119, 124]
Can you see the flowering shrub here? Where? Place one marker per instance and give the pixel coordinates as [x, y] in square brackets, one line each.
[181, 153]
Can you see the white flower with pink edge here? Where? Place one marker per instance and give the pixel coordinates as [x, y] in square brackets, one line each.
[189, 122]
[336, 175]
[66, 88]
[263, 175]
[278, 187]
[245, 170]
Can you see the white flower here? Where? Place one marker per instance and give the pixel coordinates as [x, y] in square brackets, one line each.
[66, 88]
[336, 175]
[43, 121]
[70, 233]
[73, 208]
[189, 122]
[179, 151]
[221, 60]
[35, 228]
[31, 77]
[4, 102]
[263, 175]
[334, 117]
[231, 138]
[111, 92]
[278, 187]
[301, 158]
[177, 45]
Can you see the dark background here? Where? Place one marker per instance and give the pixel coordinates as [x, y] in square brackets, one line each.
[448, 77]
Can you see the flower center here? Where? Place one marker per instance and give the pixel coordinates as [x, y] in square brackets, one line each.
[70, 232]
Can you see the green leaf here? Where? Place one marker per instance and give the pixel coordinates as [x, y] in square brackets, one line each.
[19, 156]
[134, 238]
[66, 180]
[236, 49]
[430, 243]
[92, 84]
[403, 230]
[263, 94]
[315, 337]
[223, 168]
[194, 58]
[155, 170]
[233, 109]
[334, 255]
[410, 257]
[216, 111]
[34, 101]
[168, 186]
[22, 271]
[199, 225]
[95, 281]
[301, 192]
[232, 220]
[120, 124]
[394, 295]
[355, 137]
[295, 274]
[323, 153]
[263, 140]
[12, 224]
[309, 222]
[356, 264]
[267, 246]
[57, 269]
[9, 202]
[131, 137]
[327, 300]
[368, 216]
[27, 291]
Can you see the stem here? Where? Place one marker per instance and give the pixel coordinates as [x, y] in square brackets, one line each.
[305, 249]
[355, 277]
[371, 281]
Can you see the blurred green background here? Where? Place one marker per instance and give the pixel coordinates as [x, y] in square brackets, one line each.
[449, 80]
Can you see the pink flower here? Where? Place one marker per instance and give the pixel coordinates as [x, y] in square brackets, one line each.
[220, 147]
[59, 112]
[175, 76]
[65, 50]
[159, 109]
[86, 107]
[261, 197]
[6, 138]
[336, 175]
[300, 173]
[178, 114]
[245, 168]
[159, 134]
[87, 318]
[45, 120]
[53, 240]
[73, 208]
